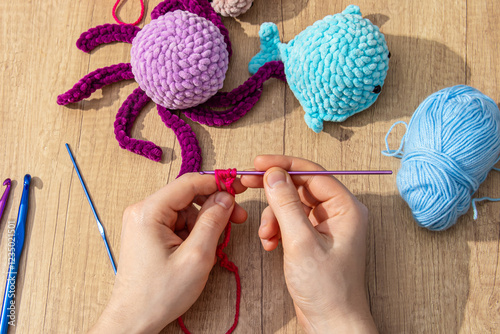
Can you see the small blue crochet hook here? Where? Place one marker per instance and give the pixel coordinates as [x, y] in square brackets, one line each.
[8, 306]
[5, 196]
[99, 225]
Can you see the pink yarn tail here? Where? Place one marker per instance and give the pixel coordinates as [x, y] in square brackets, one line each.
[227, 178]
[242, 98]
[106, 33]
[125, 118]
[230, 266]
[94, 81]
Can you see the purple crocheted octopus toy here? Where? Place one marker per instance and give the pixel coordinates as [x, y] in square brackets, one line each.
[179, 60]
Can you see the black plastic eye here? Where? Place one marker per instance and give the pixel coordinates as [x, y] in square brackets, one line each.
[377, 89]
[389, 55]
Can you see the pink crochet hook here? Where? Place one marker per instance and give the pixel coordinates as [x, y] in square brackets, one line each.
[5, 196]
[306, 172]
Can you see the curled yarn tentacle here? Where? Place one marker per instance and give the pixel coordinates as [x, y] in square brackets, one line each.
[210, 117]
[125, 118]
[190, 149]
[94, 81]
[243, 98]
[106, 33]
[274, 69]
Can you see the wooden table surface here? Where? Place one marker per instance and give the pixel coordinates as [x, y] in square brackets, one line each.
[418, 281]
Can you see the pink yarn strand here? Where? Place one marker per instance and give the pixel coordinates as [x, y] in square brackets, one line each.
[136, 22]
[226, 178]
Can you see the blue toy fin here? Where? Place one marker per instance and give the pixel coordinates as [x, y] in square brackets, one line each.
[352, 9]
[316, 124]
[269, 47]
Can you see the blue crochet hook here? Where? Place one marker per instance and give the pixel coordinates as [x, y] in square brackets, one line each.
[99, 225]
[5, 196]
[8, 307]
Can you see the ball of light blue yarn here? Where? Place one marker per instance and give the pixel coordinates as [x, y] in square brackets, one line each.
[452, 142]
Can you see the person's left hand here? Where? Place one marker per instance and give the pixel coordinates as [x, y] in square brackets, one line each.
[167, 252]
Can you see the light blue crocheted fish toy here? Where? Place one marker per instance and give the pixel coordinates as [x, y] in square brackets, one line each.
[335, 68]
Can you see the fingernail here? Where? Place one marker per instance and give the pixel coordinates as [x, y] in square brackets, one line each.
[224, 199]
[262, 226]
[275, 178]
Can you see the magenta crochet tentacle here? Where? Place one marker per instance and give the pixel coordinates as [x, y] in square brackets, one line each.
[106, 33]
[123, 125]
[243, 98]
[190, 149]
[272, 69]
[210, 117]
[201, 8]
[94, 81]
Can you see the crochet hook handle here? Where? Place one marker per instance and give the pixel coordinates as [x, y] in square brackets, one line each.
[99, 225]
[5, 196]
[322, 172]
[8, 306]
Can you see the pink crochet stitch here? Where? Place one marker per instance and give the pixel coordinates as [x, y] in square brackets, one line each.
[231, 8]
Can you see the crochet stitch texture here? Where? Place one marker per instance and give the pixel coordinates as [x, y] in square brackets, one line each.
[335, 68]
[231, 8]
[180, 60]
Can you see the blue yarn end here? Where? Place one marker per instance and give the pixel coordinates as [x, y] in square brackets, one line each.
[451, 144]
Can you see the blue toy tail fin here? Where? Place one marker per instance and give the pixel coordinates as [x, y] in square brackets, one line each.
[352, 9]
[269, 43]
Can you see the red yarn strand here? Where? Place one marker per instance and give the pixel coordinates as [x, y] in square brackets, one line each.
[227, 178]
[136, 22]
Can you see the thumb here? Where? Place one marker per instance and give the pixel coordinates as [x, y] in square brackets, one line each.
[211, 221]
[285, 202]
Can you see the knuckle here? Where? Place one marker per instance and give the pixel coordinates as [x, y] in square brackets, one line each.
[211, 221]
[187, 176]
[134, 212]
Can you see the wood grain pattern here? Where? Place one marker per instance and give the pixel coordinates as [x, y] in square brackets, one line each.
[418, 281]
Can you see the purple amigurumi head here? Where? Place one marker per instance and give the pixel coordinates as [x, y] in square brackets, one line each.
[180, 60]
[231, 8]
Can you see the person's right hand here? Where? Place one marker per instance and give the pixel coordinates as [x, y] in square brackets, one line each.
[323, 231]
